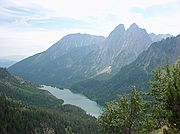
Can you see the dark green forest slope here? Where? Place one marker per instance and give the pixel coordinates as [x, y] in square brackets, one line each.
[26, 109]
[138, 73]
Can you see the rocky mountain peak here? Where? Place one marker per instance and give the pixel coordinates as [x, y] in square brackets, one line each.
[76, 40]
[118, 30]
[133, 26]
[136, 30]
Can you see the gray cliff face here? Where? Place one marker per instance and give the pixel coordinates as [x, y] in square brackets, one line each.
[111, 46]
[122, 47]
[136, 40]
[81, 56]
[76, 40]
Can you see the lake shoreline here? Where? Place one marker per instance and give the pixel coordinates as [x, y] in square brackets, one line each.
[79, 100]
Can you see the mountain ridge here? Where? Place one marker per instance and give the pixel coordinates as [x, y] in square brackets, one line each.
[77, 57]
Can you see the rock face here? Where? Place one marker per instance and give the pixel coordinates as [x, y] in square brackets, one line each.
[123, 46]
[81, 56]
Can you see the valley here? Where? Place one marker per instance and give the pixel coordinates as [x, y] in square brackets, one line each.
[89, 84]
[89, 67]
[101, 67]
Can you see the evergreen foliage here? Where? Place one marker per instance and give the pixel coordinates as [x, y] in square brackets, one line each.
[128, 114]
[25, 109]
[139, 112]
[166, 91]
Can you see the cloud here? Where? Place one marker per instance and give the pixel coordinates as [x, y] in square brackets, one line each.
[158, 10]
[56, 23]
[13, 9]
[30, 26]
[160, 18]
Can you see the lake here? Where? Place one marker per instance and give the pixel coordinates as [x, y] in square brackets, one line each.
[91, 107]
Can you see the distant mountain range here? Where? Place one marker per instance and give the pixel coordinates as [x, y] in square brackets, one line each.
[137, 73]
[158, 37]
[6, 63]
[78, 57]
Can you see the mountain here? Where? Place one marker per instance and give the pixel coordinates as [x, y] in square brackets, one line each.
[137, 73]
[61, 63]
[158, 37]
[78, 57]
[122, 46]
[27, 109]
[6, 63]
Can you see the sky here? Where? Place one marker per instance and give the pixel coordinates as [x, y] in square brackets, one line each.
[31, 26]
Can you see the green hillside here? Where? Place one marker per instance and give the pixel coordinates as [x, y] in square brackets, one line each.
[26, 109]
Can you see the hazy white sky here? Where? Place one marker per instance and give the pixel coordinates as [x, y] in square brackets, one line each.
[31, 26]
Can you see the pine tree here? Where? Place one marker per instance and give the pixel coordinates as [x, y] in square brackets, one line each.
[124, 115]
[166, 91]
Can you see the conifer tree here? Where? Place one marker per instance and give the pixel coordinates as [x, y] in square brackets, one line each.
[166, 91]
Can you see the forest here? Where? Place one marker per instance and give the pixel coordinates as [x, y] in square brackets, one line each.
[25, 109]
